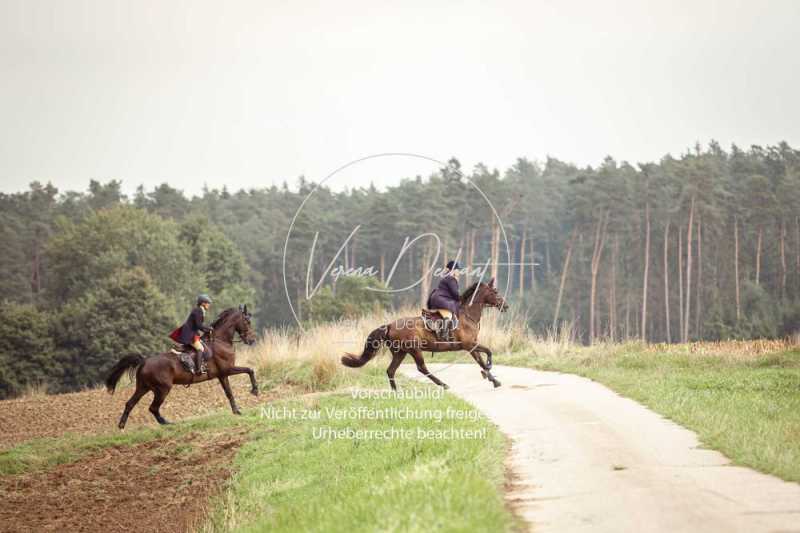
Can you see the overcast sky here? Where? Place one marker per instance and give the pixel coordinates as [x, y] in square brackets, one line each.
[250, 93]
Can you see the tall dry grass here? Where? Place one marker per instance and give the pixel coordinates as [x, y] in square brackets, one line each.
[39, 389]
[311, 358]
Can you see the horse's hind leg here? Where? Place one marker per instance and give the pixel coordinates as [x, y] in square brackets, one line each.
[160, 393]
[140, 391]
[417, 355]
[397, 358]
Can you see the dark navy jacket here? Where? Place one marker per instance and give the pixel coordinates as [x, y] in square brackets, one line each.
[445, 295]
[193, 326]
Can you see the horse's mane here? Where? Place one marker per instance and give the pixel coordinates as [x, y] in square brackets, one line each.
[467, 294]
[223, 316]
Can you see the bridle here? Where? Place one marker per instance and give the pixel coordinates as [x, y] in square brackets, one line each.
[499, 303]
[233, 340]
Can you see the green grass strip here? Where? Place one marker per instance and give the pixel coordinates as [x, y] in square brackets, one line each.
[289, 479]
[748, 408]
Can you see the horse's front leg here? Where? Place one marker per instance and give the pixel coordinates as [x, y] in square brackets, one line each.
[488, 353]
[249, 371]
[226, 386]
[486, 368]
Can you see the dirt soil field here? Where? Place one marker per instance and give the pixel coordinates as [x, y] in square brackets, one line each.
[96, 411]
[161, 485]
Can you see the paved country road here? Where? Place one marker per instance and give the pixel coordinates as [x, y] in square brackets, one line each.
[584, 458]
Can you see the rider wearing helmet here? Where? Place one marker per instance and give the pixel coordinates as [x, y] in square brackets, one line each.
[446, 299]
[193, 329]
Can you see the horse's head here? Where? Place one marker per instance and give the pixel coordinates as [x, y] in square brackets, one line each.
[244, 327]
[235, 320]
[486, 295]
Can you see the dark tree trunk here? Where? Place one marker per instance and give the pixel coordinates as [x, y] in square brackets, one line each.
[680, 283]
[564, 271]
[646, 269]
[688, 272]
[783, 259]
[698, 308]
[599, 243]
[666, 280]
[522, 263]
[758, 255]
[736, 267]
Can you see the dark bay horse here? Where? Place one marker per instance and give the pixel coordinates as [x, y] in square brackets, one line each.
[160, 372]
[410, 336]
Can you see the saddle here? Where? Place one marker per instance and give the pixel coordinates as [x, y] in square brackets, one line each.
[185, 354]
[431, 314]
[178, 349]
[434, 320]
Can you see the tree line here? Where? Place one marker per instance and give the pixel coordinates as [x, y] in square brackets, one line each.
[703, 245]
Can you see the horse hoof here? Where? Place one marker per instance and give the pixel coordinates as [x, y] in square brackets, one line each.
[445, 386]
[254, 392]
[237, 412]
[484, 375]
[121, 425]
[496, 383]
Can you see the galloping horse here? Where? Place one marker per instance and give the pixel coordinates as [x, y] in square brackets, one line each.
[160, 372]
[410, 336]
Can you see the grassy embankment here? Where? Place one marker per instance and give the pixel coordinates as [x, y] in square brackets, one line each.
[742, 399]
[290, 479]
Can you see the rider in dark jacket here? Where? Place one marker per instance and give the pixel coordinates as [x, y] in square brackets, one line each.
[193, 329]
[446, 296]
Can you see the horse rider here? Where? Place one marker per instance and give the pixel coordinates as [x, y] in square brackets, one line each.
[190, 332]
[446, 299]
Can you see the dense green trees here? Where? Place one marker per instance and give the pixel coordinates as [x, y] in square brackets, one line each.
[701, 245]
[26, 349]
[84, 253]
[112, 280]
[350, 297]
[123, 314]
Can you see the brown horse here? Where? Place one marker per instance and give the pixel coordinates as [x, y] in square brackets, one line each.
[410, 336]
[160, 372]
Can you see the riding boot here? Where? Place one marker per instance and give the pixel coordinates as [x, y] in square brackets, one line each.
[446, 329]
[199, 367]
[204, 356]
[441, 330]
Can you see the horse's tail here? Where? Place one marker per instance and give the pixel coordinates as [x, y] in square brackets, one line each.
[129, 363]
[375, 340]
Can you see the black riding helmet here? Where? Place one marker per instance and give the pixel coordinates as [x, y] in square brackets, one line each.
[453, 265]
